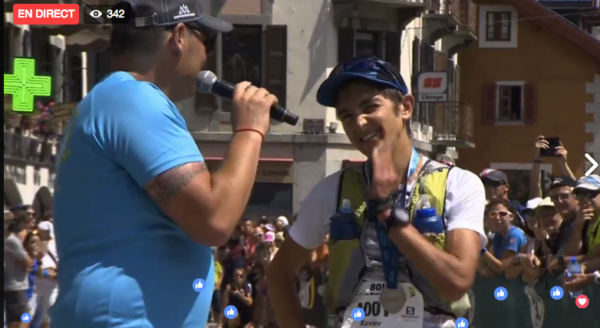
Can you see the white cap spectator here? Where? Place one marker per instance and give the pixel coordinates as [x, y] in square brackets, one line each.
[591, 182]
[532, 204]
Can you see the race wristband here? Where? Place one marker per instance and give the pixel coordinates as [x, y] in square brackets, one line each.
[46, 273]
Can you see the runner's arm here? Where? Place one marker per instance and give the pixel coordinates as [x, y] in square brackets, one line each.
[451, 271]
[306, 234]
[156, 149]
[281, 280]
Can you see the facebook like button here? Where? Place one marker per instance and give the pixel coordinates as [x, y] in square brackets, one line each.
[500, 293]
[358, 314]
[230, 312]
[461, 323]
[556, 292]
[199, 285]
[26, 317]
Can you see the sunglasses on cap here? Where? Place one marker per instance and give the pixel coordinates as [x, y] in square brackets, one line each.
[373, 66]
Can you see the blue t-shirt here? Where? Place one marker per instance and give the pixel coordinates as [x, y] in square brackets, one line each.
[514, 241]
[123, 262]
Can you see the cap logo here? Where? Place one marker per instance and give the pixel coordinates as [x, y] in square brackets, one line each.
[184, 12]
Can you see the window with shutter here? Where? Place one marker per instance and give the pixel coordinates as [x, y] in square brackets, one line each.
[346, 44]
[241, 54]
[530, 104]
[276, 61]
[393, 48]
[365, 43]
[208, 101]
[488, 106]
[73, 78]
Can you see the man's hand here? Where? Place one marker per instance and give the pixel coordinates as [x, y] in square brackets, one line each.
[577, 282]
[541, 143]
[584, 214]
[529, 261]
[561, 153]
[251, 107]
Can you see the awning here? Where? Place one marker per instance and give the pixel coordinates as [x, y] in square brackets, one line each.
[42, 203]
[12, 195]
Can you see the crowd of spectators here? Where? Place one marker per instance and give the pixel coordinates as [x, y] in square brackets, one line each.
[30, 268]
[240, 273]
[554, 227]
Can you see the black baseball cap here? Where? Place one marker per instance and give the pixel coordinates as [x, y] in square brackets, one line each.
[164, 13]
[563, 181]
[368, 68]
[492, 175]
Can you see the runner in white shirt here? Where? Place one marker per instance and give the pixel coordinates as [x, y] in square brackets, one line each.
[374, 106]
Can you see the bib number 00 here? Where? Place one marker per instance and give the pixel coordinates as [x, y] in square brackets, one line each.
[372, 309]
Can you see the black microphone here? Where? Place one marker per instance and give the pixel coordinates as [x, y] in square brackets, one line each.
[209, 83]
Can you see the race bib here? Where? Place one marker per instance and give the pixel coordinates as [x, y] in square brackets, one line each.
[367, 298]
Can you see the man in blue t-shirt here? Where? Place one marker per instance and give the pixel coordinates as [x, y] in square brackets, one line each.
[136, 210]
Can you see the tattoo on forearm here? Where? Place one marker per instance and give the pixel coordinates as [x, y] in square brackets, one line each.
[166, 186]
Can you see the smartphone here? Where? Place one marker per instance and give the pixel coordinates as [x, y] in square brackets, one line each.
[553, 143]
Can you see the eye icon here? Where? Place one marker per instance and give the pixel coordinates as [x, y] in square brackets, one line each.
[96, 13]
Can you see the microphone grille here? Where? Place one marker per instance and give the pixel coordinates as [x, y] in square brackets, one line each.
[205, 81]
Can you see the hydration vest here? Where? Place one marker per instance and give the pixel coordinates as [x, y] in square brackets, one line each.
[351, 260]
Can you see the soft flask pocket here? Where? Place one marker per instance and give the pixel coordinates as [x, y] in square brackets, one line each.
[343, 227]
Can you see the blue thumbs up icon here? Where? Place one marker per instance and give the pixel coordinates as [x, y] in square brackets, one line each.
[358, 314]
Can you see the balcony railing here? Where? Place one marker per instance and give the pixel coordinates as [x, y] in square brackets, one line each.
[452, 122]
[464, 10]
[28, 150]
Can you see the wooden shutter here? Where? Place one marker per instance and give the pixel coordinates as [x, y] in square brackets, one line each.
[392, 48]
[346, 45]
[416, 63]
[488, 107]
[440, 61]
[379, 45]
[276, 61]
[26, 44]
[40, 43]
[530, 104]
[208, 101]
[9, 44]
[428, 58]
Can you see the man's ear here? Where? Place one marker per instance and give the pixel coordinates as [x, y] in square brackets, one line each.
[176, 39]
[407, 107]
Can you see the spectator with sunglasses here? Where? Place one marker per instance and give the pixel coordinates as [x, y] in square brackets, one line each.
[497, 187]
[152, 208]
[508, 241]
[587, 222]
[561, 194]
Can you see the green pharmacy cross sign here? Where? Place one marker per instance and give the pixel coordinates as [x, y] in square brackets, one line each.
[24, 85]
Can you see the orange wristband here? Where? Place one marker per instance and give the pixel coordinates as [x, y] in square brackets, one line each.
[253, 130]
